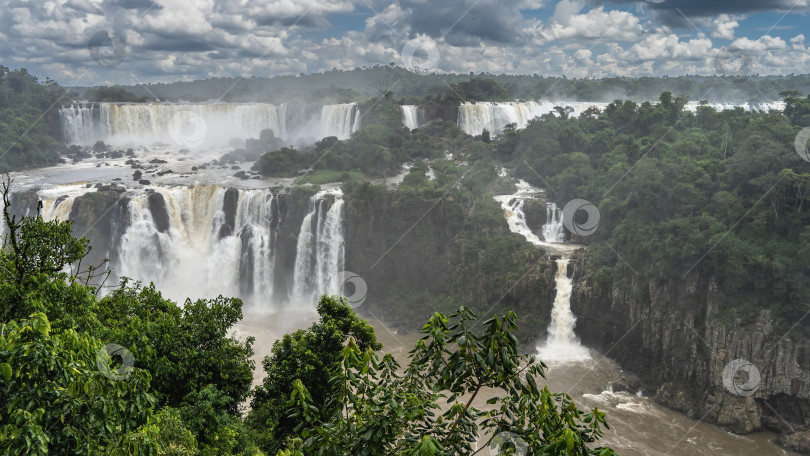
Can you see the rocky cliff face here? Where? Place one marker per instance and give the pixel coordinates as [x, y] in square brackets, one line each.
[672, 333]
[419, 256]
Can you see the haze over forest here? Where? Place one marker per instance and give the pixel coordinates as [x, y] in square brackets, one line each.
[519, 227]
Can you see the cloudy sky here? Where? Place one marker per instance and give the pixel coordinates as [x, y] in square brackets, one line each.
[90, 42]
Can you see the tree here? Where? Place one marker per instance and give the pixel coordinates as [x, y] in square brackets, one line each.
[312, 357]
[174, 384]
[56, 400]
[385, 412]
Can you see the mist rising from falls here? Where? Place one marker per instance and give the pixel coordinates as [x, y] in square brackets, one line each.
[562, 344]
[144, 123]
[410, 116]
[206, 240]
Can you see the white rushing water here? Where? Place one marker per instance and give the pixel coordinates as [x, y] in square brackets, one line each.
[320, 250]
[513, 206]
[410, 116]
[562, 344]
[200, 124]
[205, 240]
[340, 120]
[554, 229]
[474, 118]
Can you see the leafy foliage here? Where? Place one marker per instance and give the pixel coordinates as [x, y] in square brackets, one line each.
[29, 121]
[183, 394]
[312, 357]
[717, 194]
[429, 408]
[114, 94]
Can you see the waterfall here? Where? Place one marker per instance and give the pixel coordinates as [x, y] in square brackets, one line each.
[206, 240]
[513, 206]
[410, 116]
[553, 230]
[474, 118]
[320, 249]
[85, 123]
[81, 124]
[562, 343]
[752, 106]
[340, 120]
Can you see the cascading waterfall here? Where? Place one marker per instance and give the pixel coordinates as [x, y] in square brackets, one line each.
[474, 118]
[562, 344]
[144, 123]
[203, 241]
[513, 207]
[410, 116]
[752, 106]
[553, 230]
[85, 123]
[81, 123]
[340, 120]
[320, 250]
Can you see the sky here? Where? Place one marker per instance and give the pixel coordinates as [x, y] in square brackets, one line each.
[101, 42]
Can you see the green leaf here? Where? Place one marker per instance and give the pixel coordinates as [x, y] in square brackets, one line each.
[5, 371]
